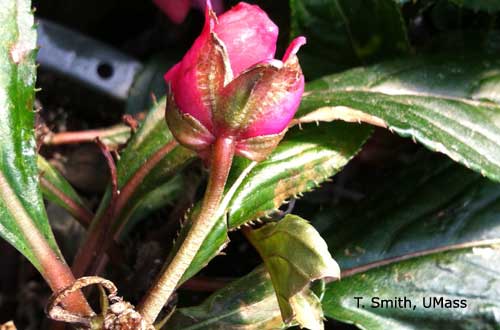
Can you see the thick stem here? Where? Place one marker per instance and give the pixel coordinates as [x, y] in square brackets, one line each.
[58, 275]
[54, 270]
[168, 280]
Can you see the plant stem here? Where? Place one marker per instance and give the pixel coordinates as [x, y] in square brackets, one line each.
[97, 241]
[86, 136]
[78, 211]
[53, 269]
[168, 280]
[131, 186]
[100, 228]
[124, 196]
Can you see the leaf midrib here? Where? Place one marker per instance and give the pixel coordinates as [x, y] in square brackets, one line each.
[418, 254]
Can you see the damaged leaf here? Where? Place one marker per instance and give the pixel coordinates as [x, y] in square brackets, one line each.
[247, 303]
[295, 255]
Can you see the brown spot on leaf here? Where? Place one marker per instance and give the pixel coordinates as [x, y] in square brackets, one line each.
[298, 182]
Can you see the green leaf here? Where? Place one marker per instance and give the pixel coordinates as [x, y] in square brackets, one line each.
[346, 33]
[152, 136]
[468, 276]
[445, 103]
[247, 303]
[441, 203]
[295, 255]
[22, 214]
[485, 5]
[303, 160]
[59, 191]
[406, 229]
[158, 198]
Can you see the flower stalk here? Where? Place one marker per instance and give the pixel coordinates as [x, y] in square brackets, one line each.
[228, 96]
[168, 280]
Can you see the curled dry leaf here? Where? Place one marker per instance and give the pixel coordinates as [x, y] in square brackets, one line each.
[120, 315]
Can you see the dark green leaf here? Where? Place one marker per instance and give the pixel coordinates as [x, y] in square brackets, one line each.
[346, 33]
[303, 160]
[295, 255]
[432, 204]
[404, 228]
[445, 103]
[22, 213]
[58, 190]
[156, 199]
[486, 5]
[152, 136]
[469, 277]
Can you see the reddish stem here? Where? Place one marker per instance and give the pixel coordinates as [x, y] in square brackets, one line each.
[54, 270]
[169, 279]
[80, 212]
[91, 255]
[131, 186]
[82, 136]
[126, 193]
[112, 168]
[98, 232]
[59, 276]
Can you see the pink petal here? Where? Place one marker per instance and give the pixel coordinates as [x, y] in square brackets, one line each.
[184, 77]
[279, 96]
[176, 10]
[294, 47]
[277, 117]
[249, 35]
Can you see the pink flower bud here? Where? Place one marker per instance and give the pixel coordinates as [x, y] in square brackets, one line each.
[229, 84]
